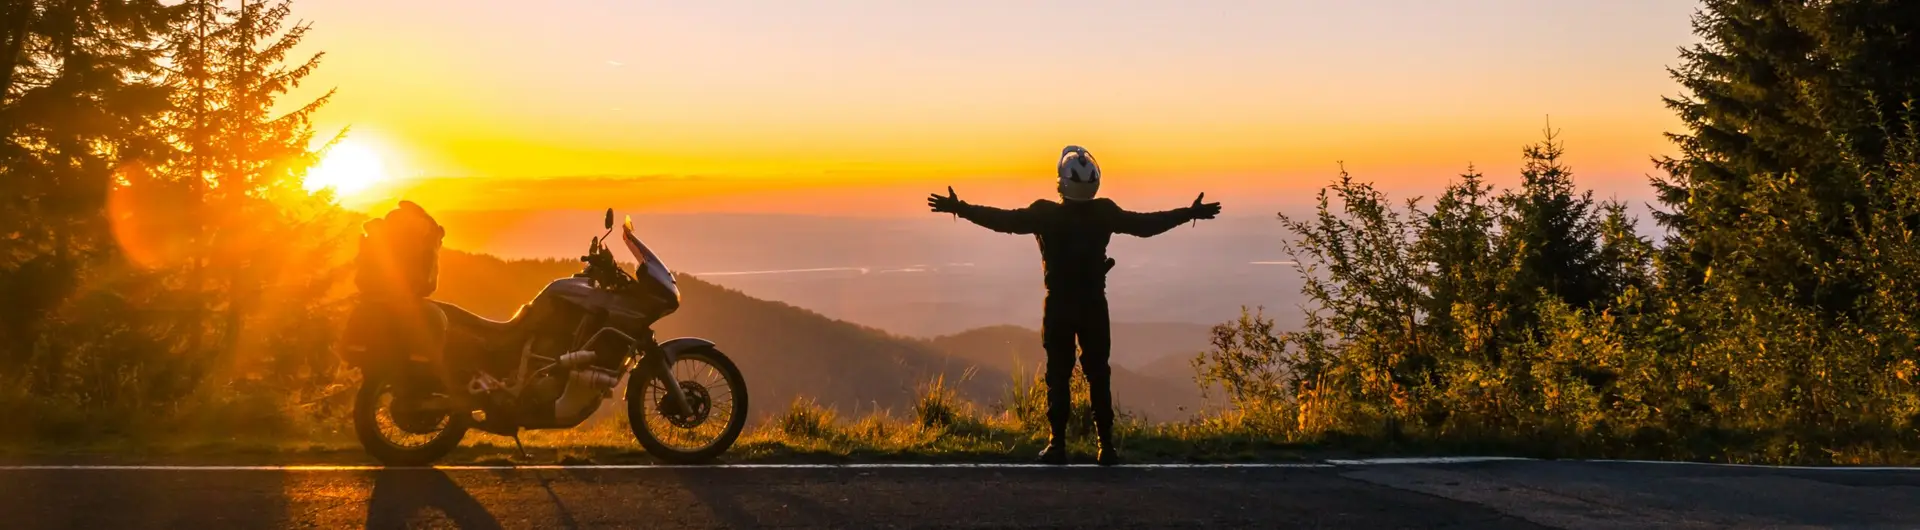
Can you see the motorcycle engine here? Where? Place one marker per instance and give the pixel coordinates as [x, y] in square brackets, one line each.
[540, 394]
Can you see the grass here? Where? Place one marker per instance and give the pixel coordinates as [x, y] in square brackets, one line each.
[941, 427]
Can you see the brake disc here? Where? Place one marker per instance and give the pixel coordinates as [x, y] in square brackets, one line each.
[699, 405]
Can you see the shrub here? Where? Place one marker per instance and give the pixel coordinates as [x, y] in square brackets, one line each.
[806, 419]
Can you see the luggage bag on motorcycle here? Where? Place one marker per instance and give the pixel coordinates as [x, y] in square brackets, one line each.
[395, 269]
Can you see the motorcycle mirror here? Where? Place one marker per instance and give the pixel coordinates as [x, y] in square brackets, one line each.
[609, 219]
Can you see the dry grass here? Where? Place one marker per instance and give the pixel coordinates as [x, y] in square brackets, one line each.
[941, 427]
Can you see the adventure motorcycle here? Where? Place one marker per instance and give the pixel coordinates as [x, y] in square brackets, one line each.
[550, 366]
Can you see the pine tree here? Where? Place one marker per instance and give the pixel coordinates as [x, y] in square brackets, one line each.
[241, 164]
[1781, 91]
[290, 258]
[129, 116]
[20, 16]
[79, 99]
[1624, 260]
[1462, 282]
[1549, 235]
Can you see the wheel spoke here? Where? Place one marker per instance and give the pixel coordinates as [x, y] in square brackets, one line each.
[710, 394]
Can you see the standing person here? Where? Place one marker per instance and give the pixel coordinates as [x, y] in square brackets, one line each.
[1073, 236]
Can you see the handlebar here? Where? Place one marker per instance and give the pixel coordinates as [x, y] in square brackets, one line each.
[602, 268]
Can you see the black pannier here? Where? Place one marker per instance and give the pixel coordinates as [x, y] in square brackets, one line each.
[395, 269]
[399, 254]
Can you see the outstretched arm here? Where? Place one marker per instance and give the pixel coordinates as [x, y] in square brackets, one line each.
[999, 220]
[1151, 224]
[1147, 224]
[1019, 221]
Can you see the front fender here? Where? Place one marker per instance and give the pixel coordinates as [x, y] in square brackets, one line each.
[674, 347]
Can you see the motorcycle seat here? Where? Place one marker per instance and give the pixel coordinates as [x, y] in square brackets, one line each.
[459, 317]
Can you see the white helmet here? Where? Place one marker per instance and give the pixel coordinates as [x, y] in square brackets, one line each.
[1079, 174]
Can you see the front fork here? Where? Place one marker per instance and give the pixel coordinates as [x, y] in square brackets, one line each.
[655, 365]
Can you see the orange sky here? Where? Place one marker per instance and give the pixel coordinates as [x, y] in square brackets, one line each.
[728, 105]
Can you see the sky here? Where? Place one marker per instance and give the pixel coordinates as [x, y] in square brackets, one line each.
[845, 106]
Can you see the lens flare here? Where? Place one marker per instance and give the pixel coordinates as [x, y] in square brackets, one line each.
[147, 219]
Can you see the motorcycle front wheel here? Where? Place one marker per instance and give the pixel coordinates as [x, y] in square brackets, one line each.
[401, 422]
[716, 396]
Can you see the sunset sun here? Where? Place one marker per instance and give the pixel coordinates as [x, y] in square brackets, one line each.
[348, 168]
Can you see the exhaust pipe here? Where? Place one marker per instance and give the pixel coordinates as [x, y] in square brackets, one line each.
[585, 388]
[578, 359]
[586, 384]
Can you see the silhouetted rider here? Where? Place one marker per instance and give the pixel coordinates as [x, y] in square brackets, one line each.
[1073, 236]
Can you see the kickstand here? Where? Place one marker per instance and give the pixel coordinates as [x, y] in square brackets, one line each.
[522, 448]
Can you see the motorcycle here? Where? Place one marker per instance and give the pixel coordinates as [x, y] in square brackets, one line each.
[550, 367]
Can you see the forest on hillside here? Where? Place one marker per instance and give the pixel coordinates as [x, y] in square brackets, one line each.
[791, 353]
[162, 264]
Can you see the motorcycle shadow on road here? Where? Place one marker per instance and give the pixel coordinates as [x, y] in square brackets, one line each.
[400, 496]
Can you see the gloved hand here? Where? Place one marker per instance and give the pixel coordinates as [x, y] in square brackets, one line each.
[1203, 210]
[947, 204]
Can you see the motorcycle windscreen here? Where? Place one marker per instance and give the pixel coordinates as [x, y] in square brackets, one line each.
[650, 263]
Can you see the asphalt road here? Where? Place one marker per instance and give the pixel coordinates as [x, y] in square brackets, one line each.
[1509, 494]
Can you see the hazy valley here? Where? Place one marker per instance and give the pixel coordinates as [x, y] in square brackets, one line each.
[858, 313]
[922, 277]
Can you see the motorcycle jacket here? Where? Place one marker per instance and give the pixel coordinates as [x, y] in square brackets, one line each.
[1073, 236]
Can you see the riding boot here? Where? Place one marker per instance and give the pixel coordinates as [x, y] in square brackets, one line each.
[1055, 453]
[1109, 453]
[1096, 346]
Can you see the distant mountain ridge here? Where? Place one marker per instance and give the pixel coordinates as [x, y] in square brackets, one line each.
[788, 352]
[919, 276]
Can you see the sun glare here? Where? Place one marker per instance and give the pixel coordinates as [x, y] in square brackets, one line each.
[349, 167]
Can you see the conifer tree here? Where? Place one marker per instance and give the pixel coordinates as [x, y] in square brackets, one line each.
[79, 98]
[1782, 91]
[1549, 234]
[240, 160]
[1464, 270]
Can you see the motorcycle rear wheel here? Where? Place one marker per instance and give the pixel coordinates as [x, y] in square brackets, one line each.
[718, 395]
[428, 435]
